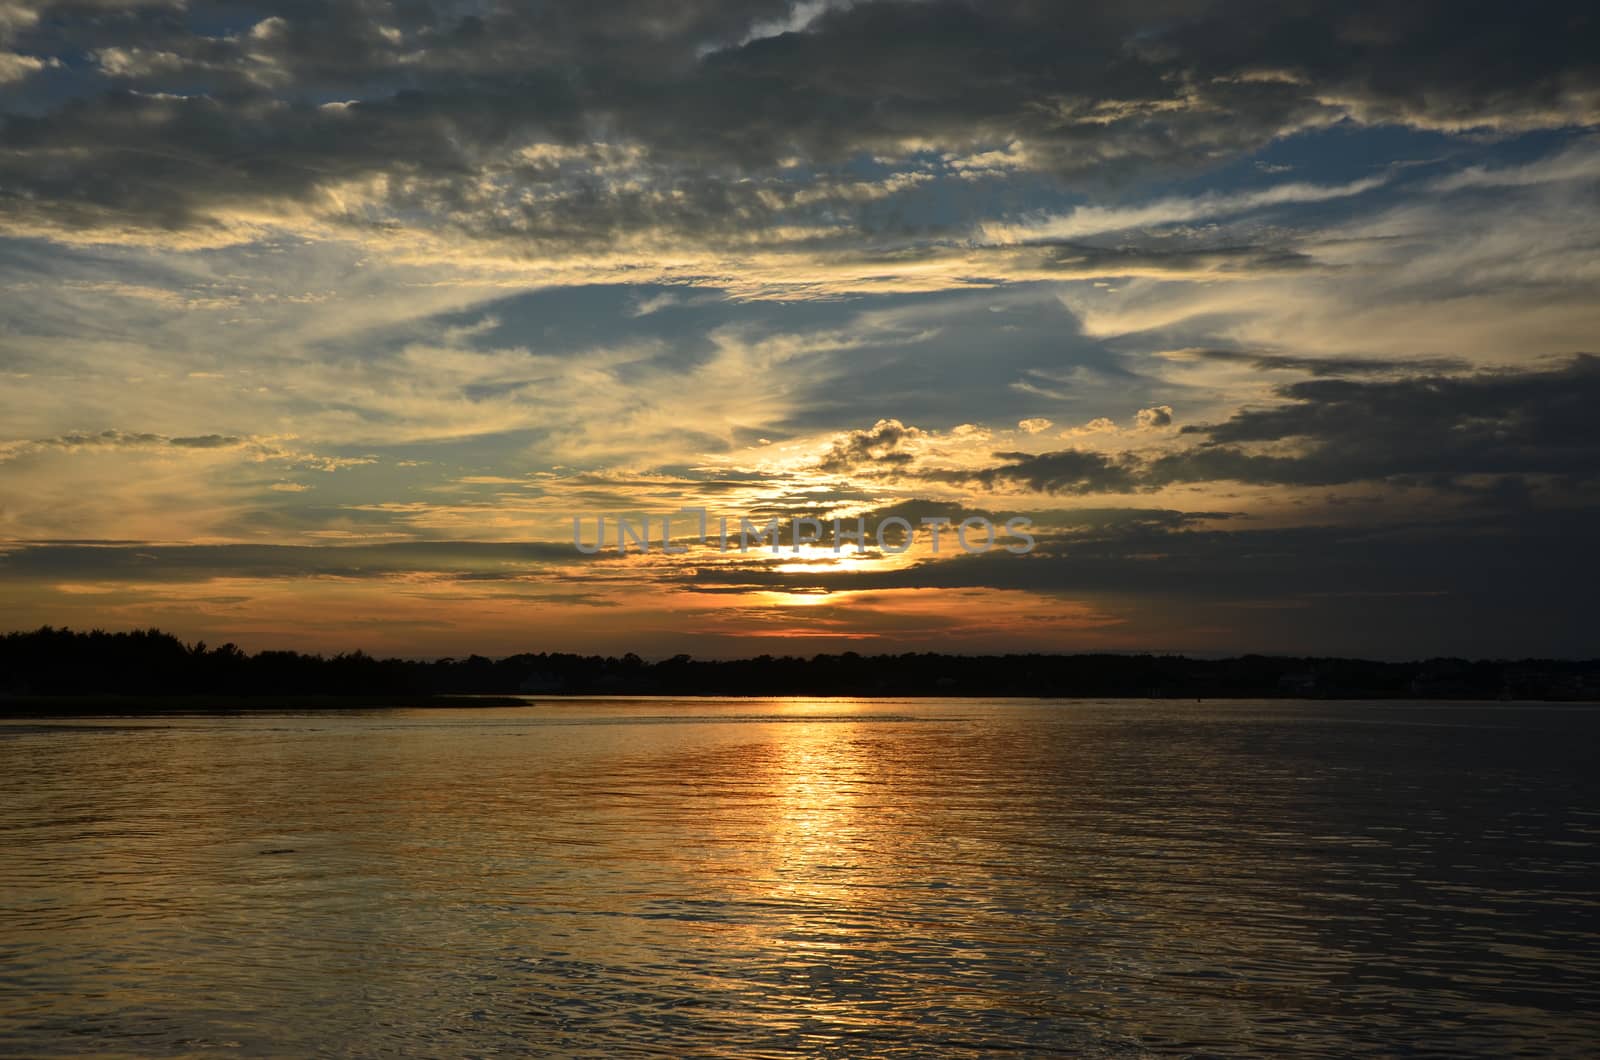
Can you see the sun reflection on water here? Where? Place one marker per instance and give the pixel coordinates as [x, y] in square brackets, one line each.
[796, 877]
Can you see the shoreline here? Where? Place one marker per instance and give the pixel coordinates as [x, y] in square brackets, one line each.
[88, 705]
[25, 707]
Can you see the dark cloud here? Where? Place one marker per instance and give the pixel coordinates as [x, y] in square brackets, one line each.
[1067, 471]
[1430, 430]
[1432, 427]
[1448, 65]
[1155, 417]
[1124, 260]
[144, 562]
[1476, 584]
[1330, 366]
[163, 115]
[878, 446]
[114, 439]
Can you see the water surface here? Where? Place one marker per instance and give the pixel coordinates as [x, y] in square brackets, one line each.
[616, 878]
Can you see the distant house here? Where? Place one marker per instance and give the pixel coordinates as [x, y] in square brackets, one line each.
[1298, 682]
[538, 682]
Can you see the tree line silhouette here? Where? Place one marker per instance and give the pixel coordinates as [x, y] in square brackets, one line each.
[149, 663]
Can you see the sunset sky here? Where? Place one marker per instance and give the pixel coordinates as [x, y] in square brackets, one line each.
[322, 320]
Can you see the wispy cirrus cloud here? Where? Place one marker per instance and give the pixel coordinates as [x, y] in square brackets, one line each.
[1085, 221]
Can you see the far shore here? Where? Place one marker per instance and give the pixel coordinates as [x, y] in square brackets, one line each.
[26, 707]
[69, 706]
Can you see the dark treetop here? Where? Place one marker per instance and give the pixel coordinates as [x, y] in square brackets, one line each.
[148, 663]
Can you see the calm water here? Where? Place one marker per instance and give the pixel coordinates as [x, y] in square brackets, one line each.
[804, 877]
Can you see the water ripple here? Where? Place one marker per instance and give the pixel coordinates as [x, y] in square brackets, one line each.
[804, 878]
